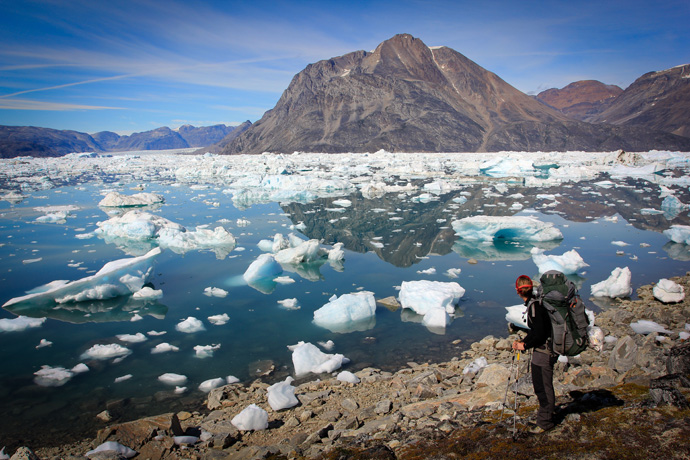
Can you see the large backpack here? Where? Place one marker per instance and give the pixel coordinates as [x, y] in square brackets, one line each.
[569, 321]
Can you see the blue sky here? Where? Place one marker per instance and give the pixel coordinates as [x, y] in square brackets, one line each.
[130, 66]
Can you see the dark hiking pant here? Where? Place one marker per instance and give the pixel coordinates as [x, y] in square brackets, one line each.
[542, 379]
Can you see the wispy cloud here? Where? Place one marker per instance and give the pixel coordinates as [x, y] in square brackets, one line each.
[27, 104]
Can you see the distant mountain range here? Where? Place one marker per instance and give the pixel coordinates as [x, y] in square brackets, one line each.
[407, 97]
[32, 141]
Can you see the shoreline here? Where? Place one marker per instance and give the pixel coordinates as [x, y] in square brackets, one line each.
[392, 406]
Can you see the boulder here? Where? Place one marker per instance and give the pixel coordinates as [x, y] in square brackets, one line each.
[624, 355]
[678, 360]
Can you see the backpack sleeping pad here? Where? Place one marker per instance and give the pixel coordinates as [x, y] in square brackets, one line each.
[569, 321]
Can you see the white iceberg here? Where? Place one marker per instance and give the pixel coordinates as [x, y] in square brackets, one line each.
[207, 385]
[668, 292]
[434, 300]
[305, 251]
[678, 234]
[616, 285]
[190, 325]
[132, 338]
[281, 395]
[487, 228]
[568, 263]
[205, 351]
[100, 351]
[115, 199]
[264, 267]
[347, 312]
[136, 225]
[164, 348]
[116, 278]
[219, 240]
[219, 320]
[49, 376]
[20, 323]
[251, 418]
[215, 292]
[306, 358]
[517, 315]
[147, 293]
[171, 378]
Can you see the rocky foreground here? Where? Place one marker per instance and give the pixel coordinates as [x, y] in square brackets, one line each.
[628, 401]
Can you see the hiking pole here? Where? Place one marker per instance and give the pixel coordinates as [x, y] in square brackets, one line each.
[517, 379]
[505, 396]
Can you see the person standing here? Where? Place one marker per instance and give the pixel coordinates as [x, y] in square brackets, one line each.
[543, 358]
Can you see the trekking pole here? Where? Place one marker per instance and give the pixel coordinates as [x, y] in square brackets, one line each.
[505, 396]
[517, 379]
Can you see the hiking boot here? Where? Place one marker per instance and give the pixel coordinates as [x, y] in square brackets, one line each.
[536, 429]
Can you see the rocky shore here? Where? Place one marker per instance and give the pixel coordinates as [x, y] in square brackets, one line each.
[617, 403]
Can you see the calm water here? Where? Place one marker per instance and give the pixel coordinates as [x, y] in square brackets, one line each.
[416, 237]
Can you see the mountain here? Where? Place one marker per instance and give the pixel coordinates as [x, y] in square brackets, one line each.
[407, 97]
[582, 99]
[40, 142]
[220, 145]
[656, 100]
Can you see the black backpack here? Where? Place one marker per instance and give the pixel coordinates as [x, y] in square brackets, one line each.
[569, 321]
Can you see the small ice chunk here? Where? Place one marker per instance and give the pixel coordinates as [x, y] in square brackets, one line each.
[205, 351]
[185, 440]
[100, 351]
[164, 348]
[283, 280]
[251, 418]
[147, 293]
[345, 203]
[453, 272]
[475, 366]
[219, 320]
[645, 327]
[620, 243]
[112, 446]
[428, 271]
[115, 199]
[517, 315]
[422, 296]
[306, 357]
[305, 251]
[49, 376]
[289, 304]
[190, 325]
[79, 368]
[20, 323]
[281, 395]
[215, 292]
[230, 379]
[44, 343]
[207, 385]
[668, 292]
[345, 312]
[132, 338]
[265, 266]
[347, 376]
[123, 378]
[568, 263]
[616, 285]
[327, 345]
[170, 378]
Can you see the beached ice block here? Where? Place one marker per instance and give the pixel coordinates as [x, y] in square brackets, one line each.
[668, 292]
[251, 418]
[281, 395]
[306, 358]
[616, 285]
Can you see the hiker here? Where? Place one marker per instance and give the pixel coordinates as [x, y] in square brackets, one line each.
[543, 358]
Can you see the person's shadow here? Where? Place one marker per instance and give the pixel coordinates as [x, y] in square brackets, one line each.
[584, 402]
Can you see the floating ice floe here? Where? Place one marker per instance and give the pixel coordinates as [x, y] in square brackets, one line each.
[281, 395]
[49, 376]
[616, 285]
[434, 300]
[251, 418]
[219, 320]
[171, 378]
[668, 291]
[190, 325]
[307, 358]
[678, 234]
[348, 313]
[289, 304]
[115, 199]
[164, 348]
[261, 273]
[511, 165]
[132, 338]
[20, 323]
[215, 292]
[487, 228]
[568, 263]
[117, 278]
[44, 343]
[205, 351]
[102, 352]
[645, 327]
[148, 293]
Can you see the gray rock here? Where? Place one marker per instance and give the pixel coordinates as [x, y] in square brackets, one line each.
[623, 355]
[349, 404]
[678, 360]
[24, 453]
[383, 407]
[494, 375]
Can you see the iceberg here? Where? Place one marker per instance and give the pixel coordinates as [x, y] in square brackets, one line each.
[678, 234]
[49, 376]
[306, 358]
[115, 199]
[190, 325]
[205, 351]
[347, 313]
[135, 225]
[207, 385]
[164, 348]
[261, 273]
[306, 251]
[219, 240]
[568, 263]
[616, 285]
[281, 395]
[251, 418]
[170, 378]
[434, 300]
[487, 228]
[668, 292]
[117, 278]
[517, 315]
[20, 323]
[101, 352]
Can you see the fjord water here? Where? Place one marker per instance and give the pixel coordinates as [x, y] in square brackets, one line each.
[387, 240]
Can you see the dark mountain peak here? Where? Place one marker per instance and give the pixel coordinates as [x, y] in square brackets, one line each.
[581, 100]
